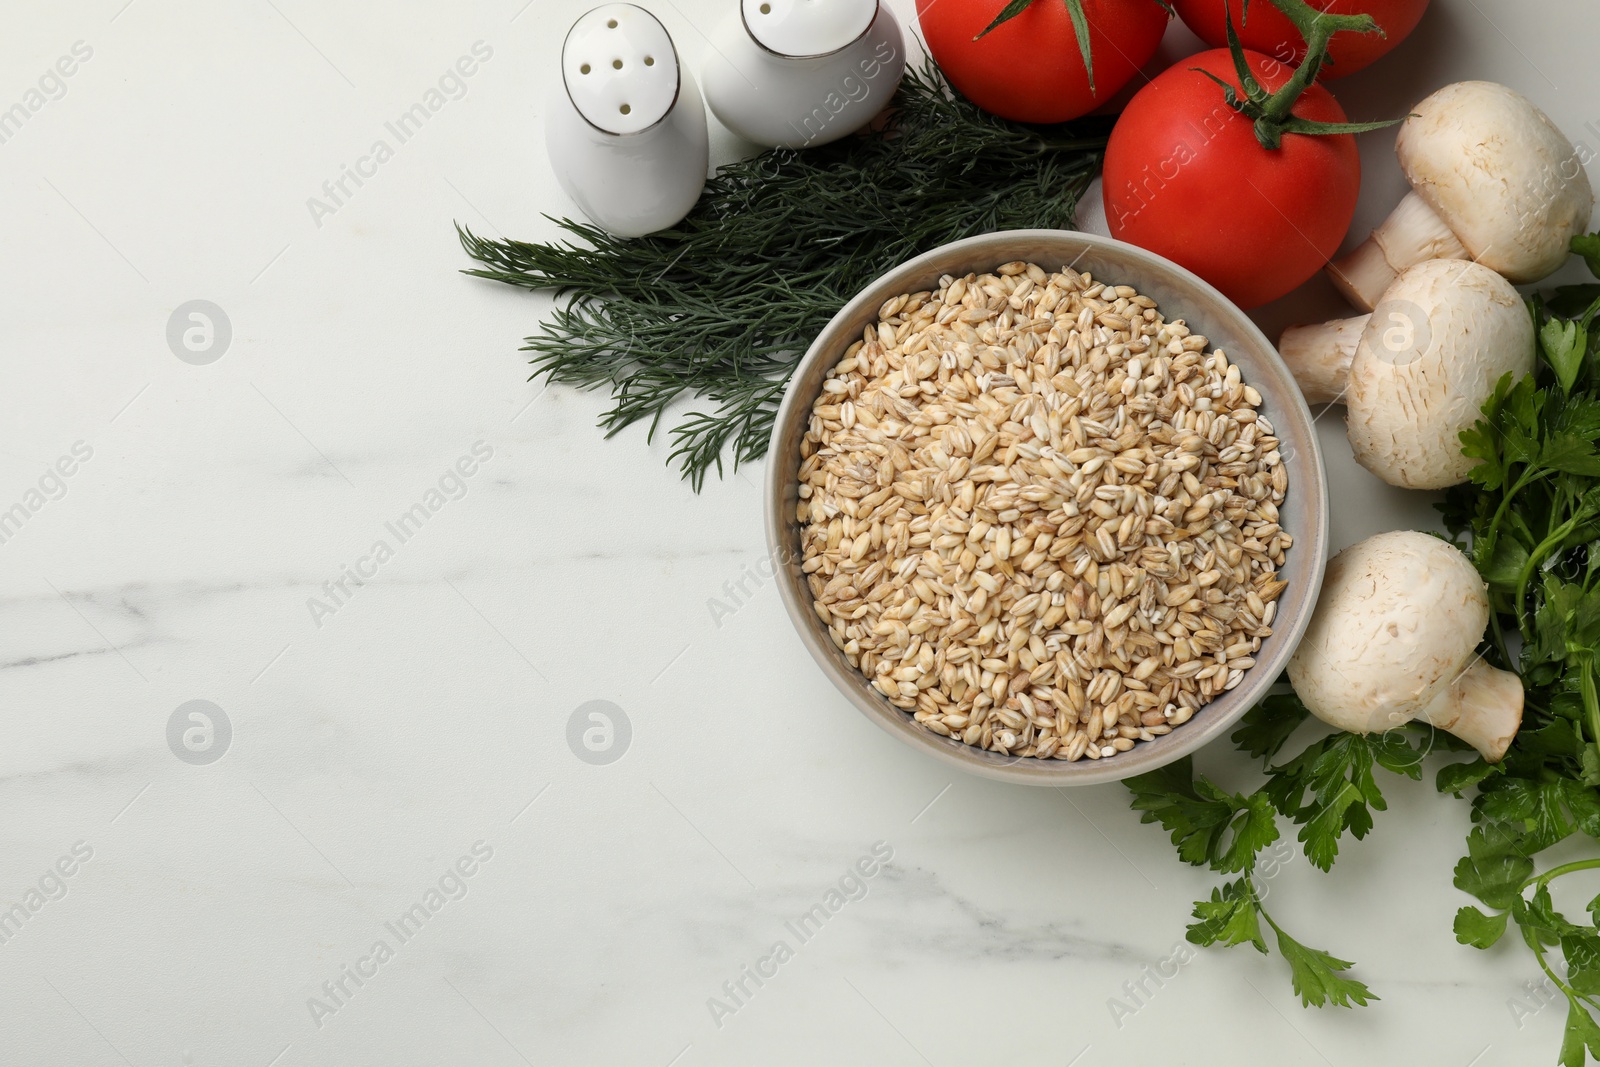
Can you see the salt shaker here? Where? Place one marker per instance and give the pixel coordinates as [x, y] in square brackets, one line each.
[624, 124]
[798, 73]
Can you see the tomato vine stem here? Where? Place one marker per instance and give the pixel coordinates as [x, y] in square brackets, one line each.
[1080, 27]
[1273, 113]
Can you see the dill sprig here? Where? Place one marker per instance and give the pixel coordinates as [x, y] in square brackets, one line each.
[722, 305]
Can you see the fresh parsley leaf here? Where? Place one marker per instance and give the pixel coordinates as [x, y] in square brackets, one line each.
[1171, 797]
[1537, 919]
[1524, 406]
[1254, 827]
[1336, 774]
[1536, 808]
[1584, 804]
[1495, 867]
[1587, 245]
[1579, 415]
[1228, 918]
[1586, 625]
[1208, 825]
[1555, 738]
[1394, 754]
[1580, 947]
[1564, 343]
[1518, 445]
[1581, 1034]
[1479, 443]
[1570, 301]
[1539, 811]
[1589, 767]
[1570, 453]
[1474, 928]
[1458, 777]
[1503, 569]
[1318, 976]
[1266, 728]
[1553, 620]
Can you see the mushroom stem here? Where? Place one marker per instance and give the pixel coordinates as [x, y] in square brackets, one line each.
[1413, 233]
[1483, 707]
[1319, 356]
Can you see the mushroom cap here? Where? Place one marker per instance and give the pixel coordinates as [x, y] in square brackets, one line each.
[1438, 342]
[1500, 174]
[1398, 619]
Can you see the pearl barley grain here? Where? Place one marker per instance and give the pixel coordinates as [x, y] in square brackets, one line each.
[1039, 517]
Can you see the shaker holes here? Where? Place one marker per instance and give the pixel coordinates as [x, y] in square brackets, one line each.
[584, 69]
[611, 24]
[625, 109]
[649, 61]
[766, 9]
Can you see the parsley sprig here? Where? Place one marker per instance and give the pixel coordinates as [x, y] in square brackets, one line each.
[1529, 518]
[1328, 789]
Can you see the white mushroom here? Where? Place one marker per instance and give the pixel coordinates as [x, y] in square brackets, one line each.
[1492, 180]
[1416, 372]
[1394, 639]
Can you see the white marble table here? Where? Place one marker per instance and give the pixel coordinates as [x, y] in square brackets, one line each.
[404, 741]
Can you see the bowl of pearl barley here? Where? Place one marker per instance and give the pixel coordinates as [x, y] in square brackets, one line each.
[1047, 507]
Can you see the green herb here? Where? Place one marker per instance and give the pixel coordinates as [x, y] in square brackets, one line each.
[1530, 520]
[1531, 515]
[1328, 789]
[722, 305]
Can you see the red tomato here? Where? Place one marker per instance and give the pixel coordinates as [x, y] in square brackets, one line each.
[1186, 178]
[1030, 68]
[1267, 30]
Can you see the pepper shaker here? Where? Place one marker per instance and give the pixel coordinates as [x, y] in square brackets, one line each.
[799, 73]
[625, 125]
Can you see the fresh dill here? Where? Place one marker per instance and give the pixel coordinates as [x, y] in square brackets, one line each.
[721, 306]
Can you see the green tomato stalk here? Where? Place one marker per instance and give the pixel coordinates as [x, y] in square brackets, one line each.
[1272, 113]
[1080, 27]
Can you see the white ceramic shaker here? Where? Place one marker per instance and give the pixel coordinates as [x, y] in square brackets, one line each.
[624, 123]
[799, 73]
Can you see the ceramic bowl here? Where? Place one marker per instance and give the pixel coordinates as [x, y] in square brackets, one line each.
[1179, 294]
